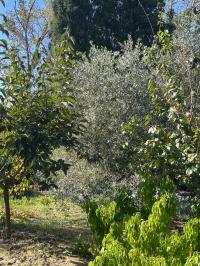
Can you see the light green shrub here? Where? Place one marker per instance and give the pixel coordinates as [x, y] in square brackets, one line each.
[106, 214]
[138, 242]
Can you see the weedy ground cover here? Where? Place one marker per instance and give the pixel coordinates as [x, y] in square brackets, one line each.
[45, 232]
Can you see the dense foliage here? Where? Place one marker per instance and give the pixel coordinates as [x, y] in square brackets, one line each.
[163, 152]
[166, 155]
[103, 211]
[92, 179]
[36, 117]
[130, 116]
[109, 88]
[106, 23]
[139, 242]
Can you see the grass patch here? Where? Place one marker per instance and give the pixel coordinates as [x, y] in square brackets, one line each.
[44, 230]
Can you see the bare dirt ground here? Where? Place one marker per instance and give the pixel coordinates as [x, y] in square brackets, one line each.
[44, 235]
[28, 253]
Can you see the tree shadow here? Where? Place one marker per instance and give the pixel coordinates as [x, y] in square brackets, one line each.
[57, 241]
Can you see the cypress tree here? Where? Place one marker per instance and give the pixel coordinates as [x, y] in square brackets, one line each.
[105, 22]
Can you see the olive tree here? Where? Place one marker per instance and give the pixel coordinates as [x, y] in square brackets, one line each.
[109, 88]
[83, 179]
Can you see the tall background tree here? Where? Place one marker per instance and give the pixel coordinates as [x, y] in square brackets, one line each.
[106, 23]
[27, 23]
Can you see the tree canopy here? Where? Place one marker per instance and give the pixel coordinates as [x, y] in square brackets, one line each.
[105, 23]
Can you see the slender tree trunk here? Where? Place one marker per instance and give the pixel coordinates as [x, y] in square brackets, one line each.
[7, 209]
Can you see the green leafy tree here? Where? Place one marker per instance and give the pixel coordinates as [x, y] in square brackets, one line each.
[37, 116]
[106, 23]
[166, 156]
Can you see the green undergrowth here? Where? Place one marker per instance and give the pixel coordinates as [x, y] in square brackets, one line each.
[136, 241]
[45, 210]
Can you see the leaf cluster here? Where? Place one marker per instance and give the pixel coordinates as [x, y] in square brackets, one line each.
[136, 241]
[37, 112]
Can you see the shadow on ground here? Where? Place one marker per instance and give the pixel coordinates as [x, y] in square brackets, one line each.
[43, 244]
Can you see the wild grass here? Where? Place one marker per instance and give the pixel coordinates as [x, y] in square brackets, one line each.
[46, 228]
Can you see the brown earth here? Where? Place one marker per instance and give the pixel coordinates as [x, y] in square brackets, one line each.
[46, 237]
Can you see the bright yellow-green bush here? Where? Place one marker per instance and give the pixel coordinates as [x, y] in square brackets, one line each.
[108, 212]
[138, 242]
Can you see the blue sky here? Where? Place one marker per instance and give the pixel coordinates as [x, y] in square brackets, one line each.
[10, 4]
